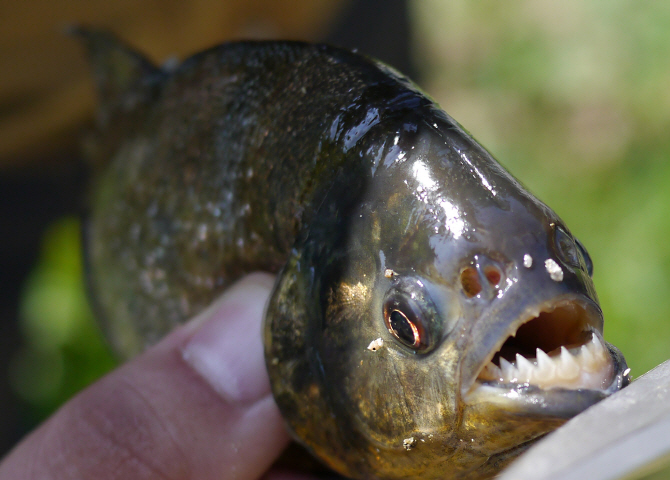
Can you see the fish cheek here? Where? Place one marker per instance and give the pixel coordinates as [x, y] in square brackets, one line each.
[293, 325]
[352, 404]
[399, 395]
[390, 392]
[389, 396]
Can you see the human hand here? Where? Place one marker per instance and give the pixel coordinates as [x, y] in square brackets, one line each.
[195, 406]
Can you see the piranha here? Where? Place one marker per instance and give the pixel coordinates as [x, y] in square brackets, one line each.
[431, 318]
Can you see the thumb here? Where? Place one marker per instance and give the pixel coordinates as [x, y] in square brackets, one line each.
[197, 405]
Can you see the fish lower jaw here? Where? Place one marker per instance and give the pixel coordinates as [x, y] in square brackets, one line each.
[587, 366]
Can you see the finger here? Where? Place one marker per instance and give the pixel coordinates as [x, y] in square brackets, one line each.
[197, 405]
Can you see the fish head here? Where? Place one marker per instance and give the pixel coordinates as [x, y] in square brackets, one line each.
[459, 320]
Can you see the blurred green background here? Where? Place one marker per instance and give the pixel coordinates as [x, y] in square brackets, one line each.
[571, 96]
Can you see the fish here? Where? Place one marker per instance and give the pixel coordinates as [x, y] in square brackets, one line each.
[431, 318]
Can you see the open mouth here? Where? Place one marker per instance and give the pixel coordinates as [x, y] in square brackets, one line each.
[559, 347]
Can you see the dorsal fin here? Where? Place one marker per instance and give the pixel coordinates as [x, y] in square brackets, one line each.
[124, 78]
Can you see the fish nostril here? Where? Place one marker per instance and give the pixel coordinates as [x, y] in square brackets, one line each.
[470, 281]
[493, 275]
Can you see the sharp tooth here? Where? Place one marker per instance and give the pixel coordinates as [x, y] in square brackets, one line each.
[507, 369]
[525, 368]
[596, 345]
[575, 351]
[496, 371]
[490, 372]
[588, 361]
[568, 367]
[546, 365]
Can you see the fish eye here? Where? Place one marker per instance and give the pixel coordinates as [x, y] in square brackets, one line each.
[585, 257]
[410, 315]
[404, 329]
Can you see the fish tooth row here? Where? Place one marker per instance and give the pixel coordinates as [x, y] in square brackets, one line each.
[564, 370]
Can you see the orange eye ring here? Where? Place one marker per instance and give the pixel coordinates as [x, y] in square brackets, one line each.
[403, 328]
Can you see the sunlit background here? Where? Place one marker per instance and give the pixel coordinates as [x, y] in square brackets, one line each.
[573, 97]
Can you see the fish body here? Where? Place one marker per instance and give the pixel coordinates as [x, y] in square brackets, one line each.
[431, 317]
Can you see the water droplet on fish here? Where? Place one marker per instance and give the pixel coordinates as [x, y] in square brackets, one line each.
[554, 269]
[527, 261]
[409, 443]
[376, 344]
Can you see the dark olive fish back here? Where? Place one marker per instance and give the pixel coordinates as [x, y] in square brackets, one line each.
[233, 150]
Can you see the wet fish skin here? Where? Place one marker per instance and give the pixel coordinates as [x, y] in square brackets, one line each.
[221, 217]
[338, 173]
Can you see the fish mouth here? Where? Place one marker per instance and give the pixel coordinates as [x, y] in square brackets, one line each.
[554, 347]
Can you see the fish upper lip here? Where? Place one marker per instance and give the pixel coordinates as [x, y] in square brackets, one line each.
[569, 329]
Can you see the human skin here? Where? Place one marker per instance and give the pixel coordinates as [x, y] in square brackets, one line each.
[196, 405]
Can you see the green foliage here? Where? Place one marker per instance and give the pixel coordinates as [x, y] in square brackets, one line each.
[63, 350]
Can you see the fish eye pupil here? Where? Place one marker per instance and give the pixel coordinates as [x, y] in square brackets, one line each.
[403, 329]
